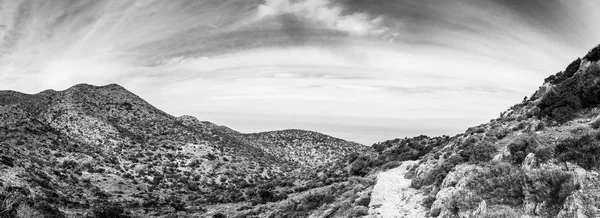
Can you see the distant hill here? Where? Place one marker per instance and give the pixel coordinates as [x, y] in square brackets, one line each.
[96, 150]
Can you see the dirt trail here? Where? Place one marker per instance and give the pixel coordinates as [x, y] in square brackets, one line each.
[393, 197]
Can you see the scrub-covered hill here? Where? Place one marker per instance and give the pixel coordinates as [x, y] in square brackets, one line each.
[92, 151]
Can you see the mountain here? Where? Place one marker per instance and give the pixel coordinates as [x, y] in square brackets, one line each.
[102, 150]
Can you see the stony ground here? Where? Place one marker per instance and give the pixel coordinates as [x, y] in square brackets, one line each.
[393, 197]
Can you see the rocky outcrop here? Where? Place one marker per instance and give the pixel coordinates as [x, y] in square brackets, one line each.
[530, 162]
[454, 198]
[575, 207]
[481, 209]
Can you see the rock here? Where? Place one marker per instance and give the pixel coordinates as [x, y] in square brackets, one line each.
[573, 207]
[498, 157]
[529, 207]
[530, 162]
[452, 202]
[481, 209]
[461, 175]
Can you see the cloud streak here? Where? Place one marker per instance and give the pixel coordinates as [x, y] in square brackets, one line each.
[326, 13]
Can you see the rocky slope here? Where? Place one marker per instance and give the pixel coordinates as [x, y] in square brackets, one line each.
[101, 151]
[540, 158]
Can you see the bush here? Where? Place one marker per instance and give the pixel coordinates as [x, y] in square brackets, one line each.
[583, 151]
[594, 54]
[571, 93]
[69, 164]
[359, 211]
[48, 210]
[499, 134]
[363, 201]
[428, 202]
[478, 152]
[438, 174]
[501, 184]
[539, 126]
[544, 154]
[520, 148]
[564, 75]
[360, 166]
[219, 215]
[315, 200]
[475, 130]
[110, 211]
[550, 186]
[176, 204]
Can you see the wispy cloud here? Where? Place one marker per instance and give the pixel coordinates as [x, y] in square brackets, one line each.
[326, 13]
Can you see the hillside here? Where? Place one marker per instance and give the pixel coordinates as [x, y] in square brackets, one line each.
[97, 151]
[540, 158]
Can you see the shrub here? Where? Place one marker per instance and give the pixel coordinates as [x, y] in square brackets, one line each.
[7, 161]
[110, 211]
[475, 130]
[478, 152]
[571, 93]
[502, 183]
[437, 175]
[562, 76]
[360, 166]
[550, 186]
[428, 202]
[594, 54]
[363, 201]
[540, 126]
[48, 210]
[520, 148]
[315, 200]
[583, 151]
[520, 126]
[544, 154]
[499, 134]
[359, 211]
[176, 204]
[219, 215]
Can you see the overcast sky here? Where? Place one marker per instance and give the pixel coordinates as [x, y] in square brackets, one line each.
[362, 70]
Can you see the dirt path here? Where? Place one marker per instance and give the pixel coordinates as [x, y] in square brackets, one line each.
[392, 196]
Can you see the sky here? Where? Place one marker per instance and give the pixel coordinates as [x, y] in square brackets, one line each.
[361, 70]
